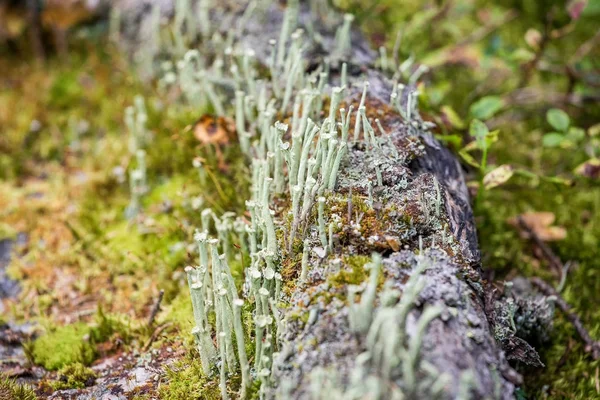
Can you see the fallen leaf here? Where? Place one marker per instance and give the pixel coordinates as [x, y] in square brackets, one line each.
[498, 176]
[393, 242]
[211, 130]
[540, 222]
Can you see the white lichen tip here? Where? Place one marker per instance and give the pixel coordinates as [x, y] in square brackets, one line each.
[238, 302]
[254, 273]
[200, 236]
[269, 273]
[281, 126]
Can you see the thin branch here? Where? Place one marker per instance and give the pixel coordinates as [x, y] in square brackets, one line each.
[591, 345]
[156, 307]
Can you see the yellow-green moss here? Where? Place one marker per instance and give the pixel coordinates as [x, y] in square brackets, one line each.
[11, 390]
[74, 376]
[63, 346]
[180, 312]
[355, 274]
[185, 380]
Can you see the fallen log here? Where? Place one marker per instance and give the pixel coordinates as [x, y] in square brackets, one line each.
[385, 299]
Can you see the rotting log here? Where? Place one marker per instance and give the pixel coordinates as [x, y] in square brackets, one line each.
[409, 203]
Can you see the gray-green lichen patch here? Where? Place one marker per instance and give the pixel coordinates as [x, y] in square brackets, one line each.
[325, 340]
[521, 317]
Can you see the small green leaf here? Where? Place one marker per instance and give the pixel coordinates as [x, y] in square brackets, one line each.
[553, 139]
[452, 117]
[455, 140]
[576, 134]
[558, 119]
[469, 159]
[479, 131]
[486, 107]
[498, 176]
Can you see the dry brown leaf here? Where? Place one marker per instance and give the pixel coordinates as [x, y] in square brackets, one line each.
[540, 222]
[393, 242]
[211, 130]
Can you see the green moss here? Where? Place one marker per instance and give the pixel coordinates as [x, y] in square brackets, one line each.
[74, 376]
[353, 272]
[11, 390]
[107, 325]
[180, 312]
[570, 372]
[185, 380]
[63, 346]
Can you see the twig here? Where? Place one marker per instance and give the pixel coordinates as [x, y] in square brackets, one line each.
[547, 252]
[156, 307]
[350, 206]
[155, 334]
[585, 48]
[485, 30]
[590, 344]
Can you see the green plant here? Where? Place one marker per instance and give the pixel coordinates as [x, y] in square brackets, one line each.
[565, 135]
[63, 346]
[11, 390]
[74, 376]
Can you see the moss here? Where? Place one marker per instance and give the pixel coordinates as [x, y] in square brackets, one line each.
[185, 380]
[570, 372]
[74, 376]
[355, 274]
[180, 313]
[11, 390]
[107, 326]
[63, 346]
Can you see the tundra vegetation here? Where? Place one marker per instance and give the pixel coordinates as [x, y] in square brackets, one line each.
[194, 195]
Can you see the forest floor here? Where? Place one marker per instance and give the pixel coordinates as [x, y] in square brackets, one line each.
[79, 281]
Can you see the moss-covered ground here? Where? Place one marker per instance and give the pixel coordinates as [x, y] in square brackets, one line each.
[89, 276]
